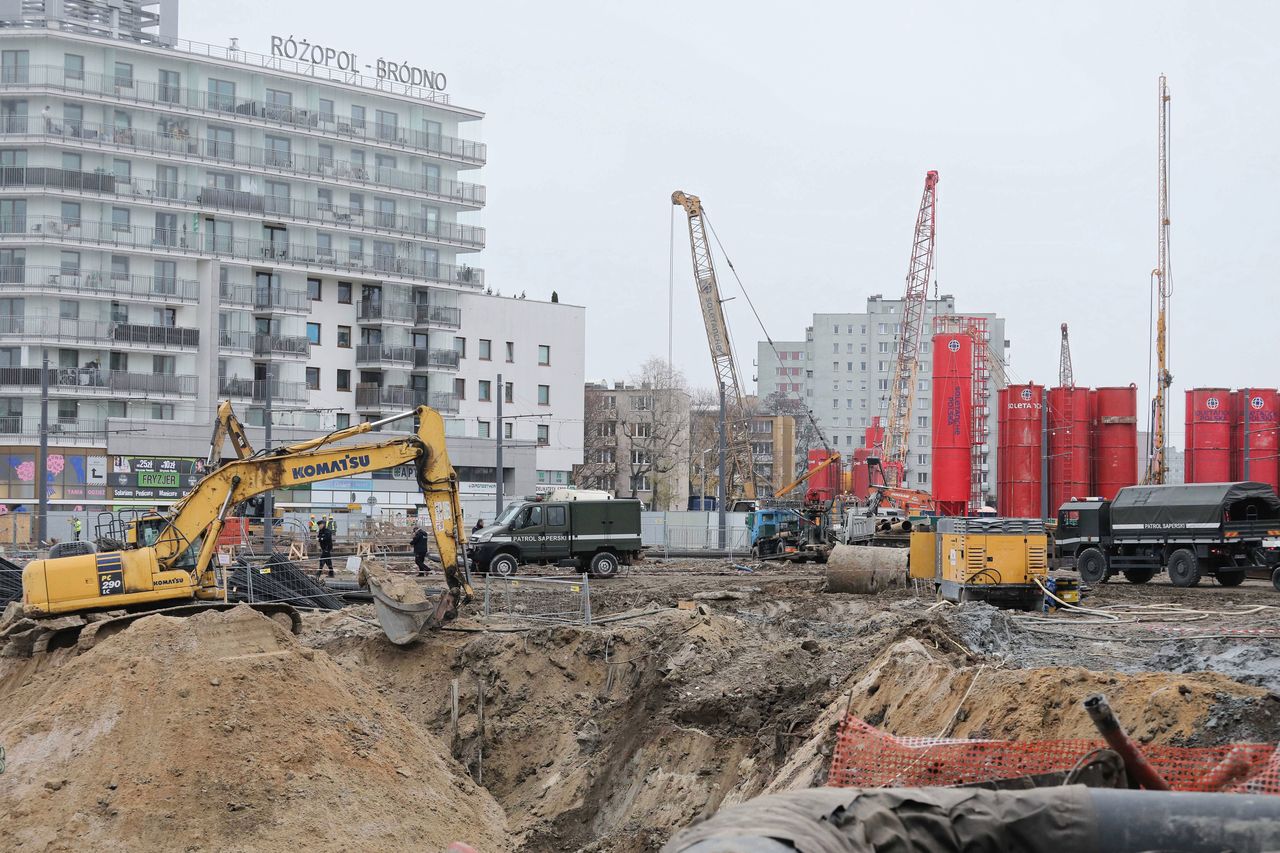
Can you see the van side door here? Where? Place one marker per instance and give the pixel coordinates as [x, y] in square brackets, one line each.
[556, 540]
[531, 534]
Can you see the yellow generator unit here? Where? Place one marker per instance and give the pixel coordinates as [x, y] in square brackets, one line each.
[997, 560]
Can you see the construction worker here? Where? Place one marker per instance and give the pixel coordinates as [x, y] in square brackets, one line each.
[311, 526]
[419, 543]
[479, 525]
[325, 537]
[75, 529]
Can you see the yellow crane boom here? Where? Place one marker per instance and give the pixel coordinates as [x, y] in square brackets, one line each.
[741, 470]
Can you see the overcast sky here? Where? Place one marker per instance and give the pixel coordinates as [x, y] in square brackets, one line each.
[807, 130]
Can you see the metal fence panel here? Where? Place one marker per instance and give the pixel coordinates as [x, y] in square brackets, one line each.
[554, 600]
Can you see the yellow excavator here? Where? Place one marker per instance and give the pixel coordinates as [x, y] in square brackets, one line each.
[164, 560]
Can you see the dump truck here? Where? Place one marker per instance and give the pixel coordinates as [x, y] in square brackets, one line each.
[599, 536]
[1221, 530]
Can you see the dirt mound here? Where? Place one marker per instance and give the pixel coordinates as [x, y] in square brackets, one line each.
[221, 732]
[912, 690]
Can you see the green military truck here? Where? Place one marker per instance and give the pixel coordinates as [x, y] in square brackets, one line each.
[599, 536]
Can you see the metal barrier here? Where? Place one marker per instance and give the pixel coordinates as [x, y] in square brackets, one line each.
[556, 600]
[693, 534]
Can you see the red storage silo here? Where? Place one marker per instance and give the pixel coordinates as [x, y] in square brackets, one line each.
[1020, 451]
[1208, 436]
[860, 476]
[1262, 406]
[824, 485]
[1115, 448]
[1070, 446]
[952, 421]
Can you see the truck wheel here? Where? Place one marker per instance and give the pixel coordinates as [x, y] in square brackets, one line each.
[504, 565]
[1184, 568]
[1139, 575]
[1235, 577]
[604, 565]
[1092, 566]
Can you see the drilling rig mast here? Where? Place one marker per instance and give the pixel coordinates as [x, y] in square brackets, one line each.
[1161, 283]
[1065, 377]
[897, 434]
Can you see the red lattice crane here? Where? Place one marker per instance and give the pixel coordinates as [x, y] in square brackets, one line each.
[897, 434]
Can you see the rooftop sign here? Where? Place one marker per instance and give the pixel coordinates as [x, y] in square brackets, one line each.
[301, 50]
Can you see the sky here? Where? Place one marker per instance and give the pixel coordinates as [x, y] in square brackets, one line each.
[807, 129]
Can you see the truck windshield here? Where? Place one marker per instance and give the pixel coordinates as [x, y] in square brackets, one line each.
[508, 513]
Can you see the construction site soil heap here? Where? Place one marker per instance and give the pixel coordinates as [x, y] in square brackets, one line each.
[220, 732]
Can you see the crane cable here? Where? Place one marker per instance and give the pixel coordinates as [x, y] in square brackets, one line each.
[809, 412]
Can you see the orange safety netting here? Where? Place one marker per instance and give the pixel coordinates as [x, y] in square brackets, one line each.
[866, 757]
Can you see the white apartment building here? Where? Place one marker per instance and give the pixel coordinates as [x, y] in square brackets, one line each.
[182, 223]
[842, 371]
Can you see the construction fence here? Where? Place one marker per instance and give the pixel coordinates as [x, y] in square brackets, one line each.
[565, 601]
[694, 534]
[866, 757]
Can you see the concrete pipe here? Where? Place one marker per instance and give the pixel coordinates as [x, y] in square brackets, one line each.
[866, 570]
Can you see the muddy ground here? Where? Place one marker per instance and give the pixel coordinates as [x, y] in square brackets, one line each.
[698, 685]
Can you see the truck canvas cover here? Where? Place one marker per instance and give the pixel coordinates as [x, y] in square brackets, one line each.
[1194, 506]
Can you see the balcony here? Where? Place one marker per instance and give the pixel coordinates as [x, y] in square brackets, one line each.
[177, 143]
[62, 431]
[371, 397]
[103, 285]
[287, 346]
[91, 381]
[435, 359]
[279, 299]
[106, 333]
[236, 340]
[445, 402]
[431, 314]
[383, 355]
[378, 312]
[279, 252]
[256, 390]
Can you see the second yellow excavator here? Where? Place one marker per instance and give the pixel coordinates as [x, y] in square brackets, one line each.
[168, 559]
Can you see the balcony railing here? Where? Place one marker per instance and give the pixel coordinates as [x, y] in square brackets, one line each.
[175, 142]
[280, 298]
[445, 316]
[380, 263]
[61, 430]
[115, 285]
[256, 389]
[369, 397]
[444, 401]
[240, 202]
[98, 331]
[176, 97]
[87, 380]
[383, 354]
[236, 339]
[435, 359]
[384, 311]
[287, 345]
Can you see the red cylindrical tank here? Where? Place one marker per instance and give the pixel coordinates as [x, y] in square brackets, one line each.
[860, 476]
[1019, 451]
[1070, 442]
[952, 421]
[1262, 405]
[1208, 437]
[875, 437]
[1115, 449]
[824, 485]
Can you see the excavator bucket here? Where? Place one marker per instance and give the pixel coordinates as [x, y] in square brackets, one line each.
[403, 619]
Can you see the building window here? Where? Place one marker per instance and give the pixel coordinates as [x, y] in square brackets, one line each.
[460, 388]
[460, 347]
[511, 352]
[507, 431]
[314, 291]
[357, 116]
[313, 334]
[344, 293]
[122, 171]
[327, 113]
[486, 347]
[222, 142]
[485, 387]
[640, 483]
[485, 430]
[922, 441]
[355, 249]
[387, 122]
[544, 395]
[170, 86]
[70, 214]
[324, 248]
[922, 477]
[544, 435]
[344, 380]
[124, 75]
[509, 392]
[119, 219]
[343, 420]
[279, 152]
[344, 337]
[313, 379]
[222, 95]
[162, 411]
[73, 66]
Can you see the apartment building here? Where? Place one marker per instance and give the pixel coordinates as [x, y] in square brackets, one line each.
[842, 369]
[182, 223]
[637, 443]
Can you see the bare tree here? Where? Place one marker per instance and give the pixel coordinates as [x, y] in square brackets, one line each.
[657, 431]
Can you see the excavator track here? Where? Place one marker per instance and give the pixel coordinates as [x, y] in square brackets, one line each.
[85, 636]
